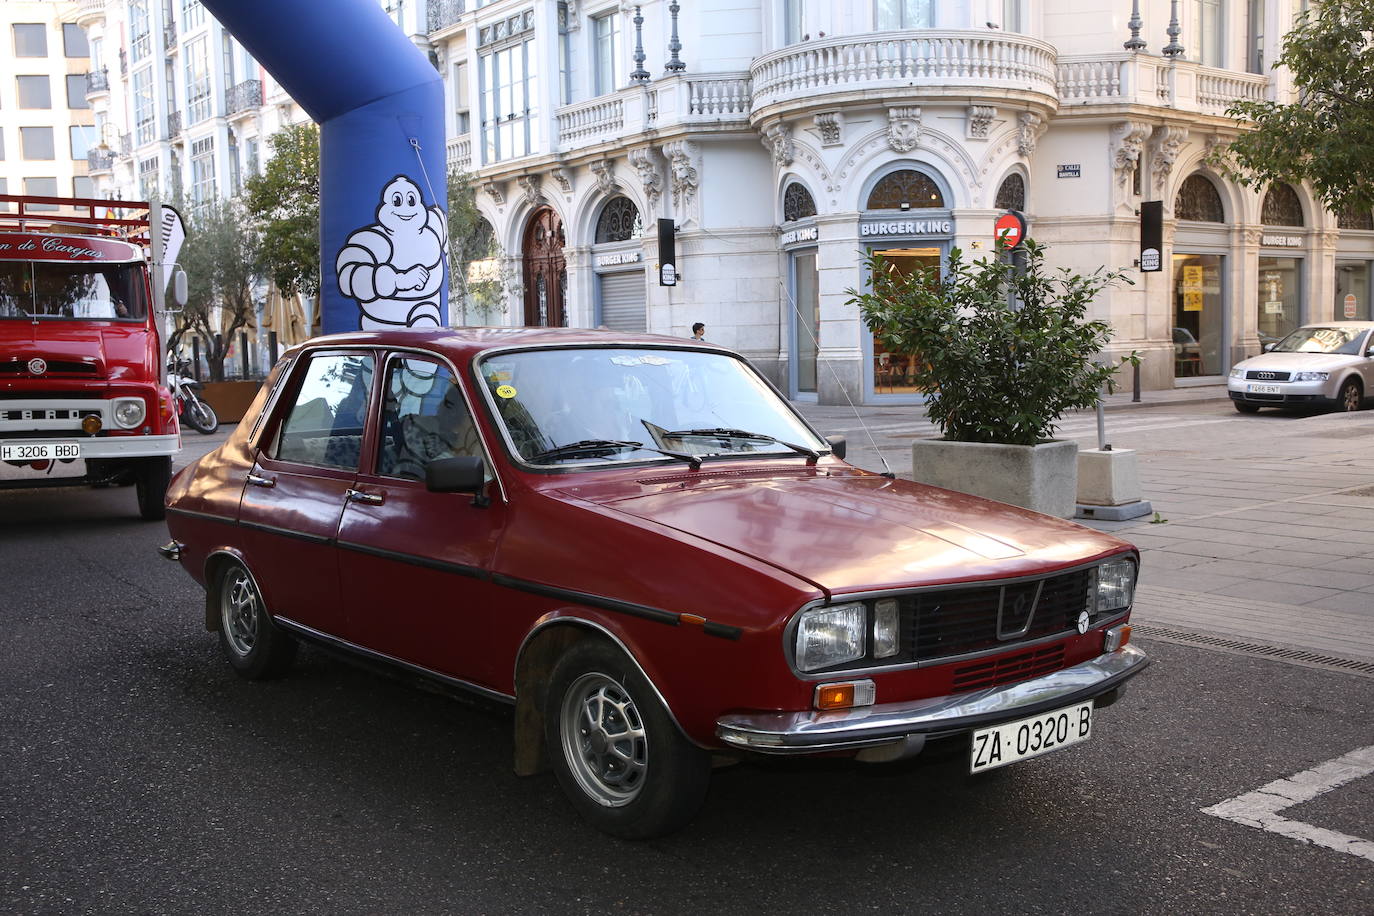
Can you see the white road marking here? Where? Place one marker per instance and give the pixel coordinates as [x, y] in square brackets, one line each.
[1261, 807]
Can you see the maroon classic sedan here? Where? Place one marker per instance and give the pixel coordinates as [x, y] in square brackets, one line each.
[640, 545]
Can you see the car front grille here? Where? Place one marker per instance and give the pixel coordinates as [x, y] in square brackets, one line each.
[1008, 669]
[1266, 375]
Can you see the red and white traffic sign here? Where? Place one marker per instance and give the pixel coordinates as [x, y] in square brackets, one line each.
[1010, 229]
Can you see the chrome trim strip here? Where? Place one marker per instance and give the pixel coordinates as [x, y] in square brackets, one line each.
[457, 569]
[811, 731]
[355, 649]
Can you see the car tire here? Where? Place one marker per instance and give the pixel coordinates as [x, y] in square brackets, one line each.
[154, 474]
[619, 757]
[255, 646]
[1351, 396]
[1246, 408]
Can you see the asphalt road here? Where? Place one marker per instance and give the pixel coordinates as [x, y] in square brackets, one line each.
[139, 775]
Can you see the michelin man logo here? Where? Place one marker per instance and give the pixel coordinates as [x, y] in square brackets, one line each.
[395, 267]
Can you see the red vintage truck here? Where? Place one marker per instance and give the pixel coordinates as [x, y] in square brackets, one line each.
[83, 398]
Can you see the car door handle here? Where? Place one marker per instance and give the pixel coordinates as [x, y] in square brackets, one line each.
[358, 496]
[257, 481]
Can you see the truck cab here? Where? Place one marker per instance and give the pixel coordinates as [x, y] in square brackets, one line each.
[82, 395]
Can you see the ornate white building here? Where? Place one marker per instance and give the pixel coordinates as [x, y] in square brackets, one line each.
[787, 138]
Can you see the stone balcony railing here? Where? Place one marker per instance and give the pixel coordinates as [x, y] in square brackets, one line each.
[89, 12]
[460, 153]
[126, 145]
[715, 100]
[173, 125]
[243, 97]
[1139, 79]
[929, 61]
[97, 81]
[100, 160]
[601, 119]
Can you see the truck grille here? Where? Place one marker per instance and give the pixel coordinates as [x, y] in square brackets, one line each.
[55, 367]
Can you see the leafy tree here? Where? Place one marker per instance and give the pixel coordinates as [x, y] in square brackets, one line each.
[470, 238]
[1327, 136]
[220, 260]
[991, 372]
[283, 203]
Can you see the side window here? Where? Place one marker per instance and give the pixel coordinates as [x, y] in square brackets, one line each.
[424, 417]
[325, 424]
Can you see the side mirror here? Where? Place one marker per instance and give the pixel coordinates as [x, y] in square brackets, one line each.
[837, 445]
[464, 474]
[1267, 347]
[179, 294]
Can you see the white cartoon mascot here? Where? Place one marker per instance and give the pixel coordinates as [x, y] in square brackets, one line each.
[395, 268]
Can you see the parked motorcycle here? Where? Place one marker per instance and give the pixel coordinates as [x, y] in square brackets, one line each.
[190, 408]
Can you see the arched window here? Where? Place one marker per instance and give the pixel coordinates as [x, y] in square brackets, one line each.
[1350, 218]
[1198, 200]
[1281, 207]
[906, 189]
[797, 202]
[1012, 194]
[619, 221]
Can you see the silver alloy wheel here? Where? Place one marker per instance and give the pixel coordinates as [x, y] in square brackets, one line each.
[240, 611]
[604, 740]
[1350, 396]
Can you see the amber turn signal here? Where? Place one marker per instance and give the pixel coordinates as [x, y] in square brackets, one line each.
[90, 424]
[845, 695]
[1116, 637]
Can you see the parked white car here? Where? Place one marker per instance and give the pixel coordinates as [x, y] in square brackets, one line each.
[1328, 364]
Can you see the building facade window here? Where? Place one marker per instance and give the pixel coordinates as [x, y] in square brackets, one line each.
[192, 14]
[148, 186]
[203, 170]
[619, 221]
[1206, 28]
[37, 143]
[797, 202]
[1012, 20]
[235, 170]
[34, 91]
[80, 137]
[30, 39]
[1281, 207]
[509, 112]
[145, 112]
[1199, 314]
[250, 156]
[1280, 305]
[74, 42]
[76, 91]
[1199, 201]
[1011, 193]
[606, 44]
[197, 81]
[82, 186]
[806, 321]
[41, 187]
[1352, 290]
[905, 189]
[903, 14]
[1354, 219]
[462, 119]
[140, 40]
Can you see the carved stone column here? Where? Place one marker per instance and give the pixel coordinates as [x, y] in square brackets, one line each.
[1168, 143]
[645, 164]
[1128, 139]
[683, 159]
[778, 138]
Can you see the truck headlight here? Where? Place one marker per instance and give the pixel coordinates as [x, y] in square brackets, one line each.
[1311, 376]
[1115, 588]
[128, 412]
[830, 635]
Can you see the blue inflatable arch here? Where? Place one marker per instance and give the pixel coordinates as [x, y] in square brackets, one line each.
[383, 188]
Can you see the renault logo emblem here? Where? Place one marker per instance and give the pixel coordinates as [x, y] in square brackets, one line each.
[37, 366]
[1083, 622]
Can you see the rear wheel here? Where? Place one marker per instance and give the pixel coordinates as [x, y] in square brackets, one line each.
[255, 647]
[619, 757]
[153, 476]
[202, 416]
[1246, 408]
[1351, 396]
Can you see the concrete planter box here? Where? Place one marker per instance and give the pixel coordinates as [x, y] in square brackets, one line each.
[1041, 477]
[230, 399]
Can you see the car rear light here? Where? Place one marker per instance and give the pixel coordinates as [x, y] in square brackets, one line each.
[845, 695]
[1116, 637]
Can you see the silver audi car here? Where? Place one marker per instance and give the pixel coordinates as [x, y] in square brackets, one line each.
[1330, 364]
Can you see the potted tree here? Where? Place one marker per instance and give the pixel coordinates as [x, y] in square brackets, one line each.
[1002, 350]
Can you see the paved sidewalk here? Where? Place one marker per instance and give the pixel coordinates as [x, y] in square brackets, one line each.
[1265, 527]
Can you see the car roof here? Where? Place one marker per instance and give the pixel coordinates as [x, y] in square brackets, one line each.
[470, 342]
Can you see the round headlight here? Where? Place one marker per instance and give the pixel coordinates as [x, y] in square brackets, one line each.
[129, 412]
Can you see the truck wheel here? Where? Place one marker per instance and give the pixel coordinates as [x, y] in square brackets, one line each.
[255, 647]
[153, 476]
[619, 757]
[202, 416]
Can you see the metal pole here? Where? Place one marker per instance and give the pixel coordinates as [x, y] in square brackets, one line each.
[243, 347]
[1135, 383]
[195, 357]
[272, 346]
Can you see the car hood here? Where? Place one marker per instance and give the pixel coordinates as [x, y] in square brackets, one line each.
[846, 530]
[1298, 362]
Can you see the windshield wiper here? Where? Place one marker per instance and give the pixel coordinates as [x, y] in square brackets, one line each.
[593, 447]
[725, 433]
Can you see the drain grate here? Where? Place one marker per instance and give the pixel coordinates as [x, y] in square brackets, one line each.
[1225, 644]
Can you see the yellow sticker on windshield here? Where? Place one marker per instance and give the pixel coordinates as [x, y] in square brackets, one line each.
[505, 391]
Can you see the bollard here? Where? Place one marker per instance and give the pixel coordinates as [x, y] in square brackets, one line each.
[272, 347]
[1135, 384]
[195, 357]
[243, 350]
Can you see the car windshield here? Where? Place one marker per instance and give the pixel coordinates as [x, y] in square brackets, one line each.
[49, 289]
[1345, 341]
[593, 406]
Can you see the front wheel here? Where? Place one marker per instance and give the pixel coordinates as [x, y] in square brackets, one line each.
[202, 416]
[151, 483]
[619, 757]
[1351, 396]
[255, 646]
[1246, 408]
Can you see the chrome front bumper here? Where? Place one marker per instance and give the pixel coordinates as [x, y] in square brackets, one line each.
[811, 732]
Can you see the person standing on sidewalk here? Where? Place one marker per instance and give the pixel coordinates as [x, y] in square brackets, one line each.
[698, 331]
